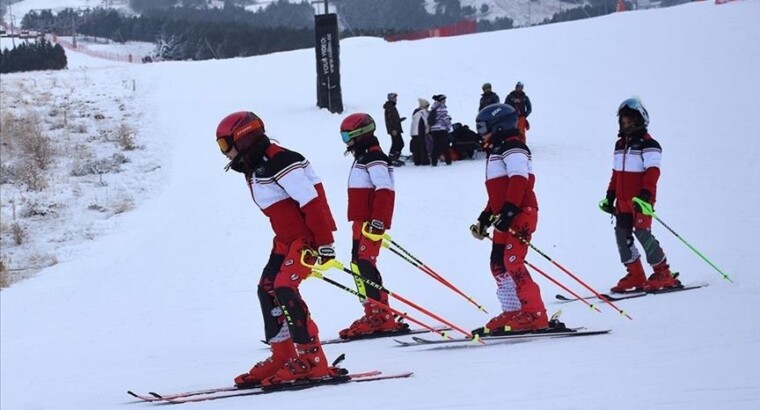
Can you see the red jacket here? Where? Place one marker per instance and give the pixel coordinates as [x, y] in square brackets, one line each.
[291, 195]
[636, 166]
[371, 188]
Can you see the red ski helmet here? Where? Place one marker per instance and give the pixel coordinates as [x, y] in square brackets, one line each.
[356, 126]
[239, 130]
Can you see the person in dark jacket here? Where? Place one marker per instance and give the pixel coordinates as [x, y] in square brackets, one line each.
[631, 194]
[488, 97]
[393, 126]
[521, 103]
[466, 141]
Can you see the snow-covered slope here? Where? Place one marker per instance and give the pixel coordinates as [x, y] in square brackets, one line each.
[167, 301]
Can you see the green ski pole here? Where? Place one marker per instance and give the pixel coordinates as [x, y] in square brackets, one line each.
[646, 209]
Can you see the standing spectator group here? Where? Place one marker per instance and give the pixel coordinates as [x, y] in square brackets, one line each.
[434, 136]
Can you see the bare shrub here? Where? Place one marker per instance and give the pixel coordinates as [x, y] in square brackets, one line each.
[80, 154]
[29, 174]
[125, 137]
[99, 166]
[19, 233]
[79, 128]
[9, 128]
[41, 261]
[96, 207]
[5, 275]
[7, 173]
[123, 205]
[35, 145]
[38, 207]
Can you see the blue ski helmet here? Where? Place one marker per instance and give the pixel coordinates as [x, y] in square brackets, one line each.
[496, 117]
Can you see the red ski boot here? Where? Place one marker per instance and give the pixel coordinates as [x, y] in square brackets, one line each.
[281, 353]
[519, 321]
[634, 280]
[662, 278]
[375, 320]
[310, 365]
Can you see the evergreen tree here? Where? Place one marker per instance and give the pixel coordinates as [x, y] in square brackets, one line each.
[29, 56]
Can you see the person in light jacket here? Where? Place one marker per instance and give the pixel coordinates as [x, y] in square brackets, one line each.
[420, 130]
[440, 124]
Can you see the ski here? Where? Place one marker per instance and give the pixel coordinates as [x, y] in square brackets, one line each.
[384, 334]
[153, 396]
[573, 332]
[632, 294]
[338, 380]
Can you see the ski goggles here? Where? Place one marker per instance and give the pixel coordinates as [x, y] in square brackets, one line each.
[632, 103]
[349, 135]
[245, 137]
[481, 127]
[225, 144]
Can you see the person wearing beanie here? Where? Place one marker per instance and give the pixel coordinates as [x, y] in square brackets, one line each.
[420, 130]
[488, 97]
[440, 124]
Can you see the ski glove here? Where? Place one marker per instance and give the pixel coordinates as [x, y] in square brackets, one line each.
[504, 219]
[642, 203]
[608, 203]
[373, 230]
[479, 230]
[325, 253]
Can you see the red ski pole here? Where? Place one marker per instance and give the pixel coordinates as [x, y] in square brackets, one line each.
[535, 268]
[317, 274]
[423, 267]
[334, 263]
[546, 275]
[562, 268]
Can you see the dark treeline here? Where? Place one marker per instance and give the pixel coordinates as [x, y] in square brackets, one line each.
[62, 23]
[200, 32]
[31, 56]
[398, 15]
[190, 29]
[594, 8]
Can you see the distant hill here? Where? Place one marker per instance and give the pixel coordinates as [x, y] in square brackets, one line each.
[523, 12]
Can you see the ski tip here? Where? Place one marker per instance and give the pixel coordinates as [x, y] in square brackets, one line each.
[131, 393]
